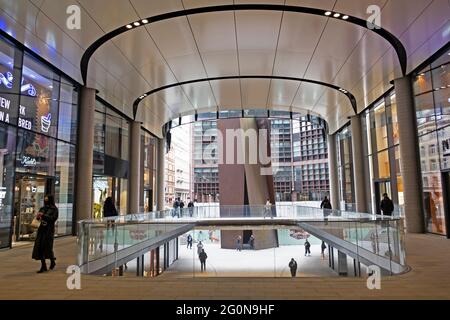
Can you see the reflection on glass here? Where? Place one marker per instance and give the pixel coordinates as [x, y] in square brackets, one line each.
[64, 186]
[380, 126]
[395, 133]
[35, 153]
[425, 113]
[422, 82]
[383, 165]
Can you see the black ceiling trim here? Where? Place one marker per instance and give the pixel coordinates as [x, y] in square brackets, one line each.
[396, 43]
[341, 90]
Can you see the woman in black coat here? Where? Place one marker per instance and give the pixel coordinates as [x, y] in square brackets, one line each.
[109, 209]
[43, 245]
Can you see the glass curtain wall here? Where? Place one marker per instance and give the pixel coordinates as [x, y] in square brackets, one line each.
[381, 148]
[432, 91]
[111, 152]
[148, 178]
[345, 169]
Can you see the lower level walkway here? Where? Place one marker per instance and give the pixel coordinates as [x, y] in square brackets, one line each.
[428, 256]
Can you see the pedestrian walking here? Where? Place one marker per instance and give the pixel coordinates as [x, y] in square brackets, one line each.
[203, 256]
[386, 205]
[189, 241]
[176, 206]
[239, 243]
[268, 209]
[323, 247]
[191, 208]
[251, 242]
[199, 247]
[43, 245]
[293, 267]
[181, 205]
[307, 248]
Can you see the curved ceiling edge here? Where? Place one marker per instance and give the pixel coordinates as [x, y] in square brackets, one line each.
[341, 90]
[396, 43]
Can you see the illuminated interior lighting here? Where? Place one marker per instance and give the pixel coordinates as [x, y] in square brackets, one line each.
[144, 21]
[336, 15]
[328, 13]
[345, 17]
[136, 23]
[129, 26]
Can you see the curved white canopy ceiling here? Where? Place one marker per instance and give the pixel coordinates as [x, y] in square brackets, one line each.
[231, 43]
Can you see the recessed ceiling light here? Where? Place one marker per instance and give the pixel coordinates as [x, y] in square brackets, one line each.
[136, 23]
[328, 13]
[129, 26]
[442, 87]
[144, 21]
[345, 17]
[336, 15]
[437, 89]
[422, 74]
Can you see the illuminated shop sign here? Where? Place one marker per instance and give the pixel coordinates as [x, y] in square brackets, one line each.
[7, 80]
[28, 161]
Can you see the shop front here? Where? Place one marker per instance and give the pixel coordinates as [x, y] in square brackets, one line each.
[38, 131]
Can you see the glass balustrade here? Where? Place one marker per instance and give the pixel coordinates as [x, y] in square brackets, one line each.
[108, 243]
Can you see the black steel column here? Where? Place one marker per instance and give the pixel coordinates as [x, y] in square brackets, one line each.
[137, 266]
[329, 255]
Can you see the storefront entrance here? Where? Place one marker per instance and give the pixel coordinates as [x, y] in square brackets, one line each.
[382, 187]
[29, 193]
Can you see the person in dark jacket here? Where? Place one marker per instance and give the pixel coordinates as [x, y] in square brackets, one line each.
[189, 241]
[387, 206]
[307, 247]
[191, 208]
[323, 247]
[325, 204]
[202, 256]
[43, 245]
[109, 209]
[293, 267]
[181, 205]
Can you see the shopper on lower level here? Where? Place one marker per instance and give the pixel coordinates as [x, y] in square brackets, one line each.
[251, 242]
[43, 245]
[189, 241]
[203, 256]
[293, 267]
[199, 247]
[307, 248]
[239, 243]
[323, 247]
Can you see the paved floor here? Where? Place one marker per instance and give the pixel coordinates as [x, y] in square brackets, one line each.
[428, 255]
[246, 263]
